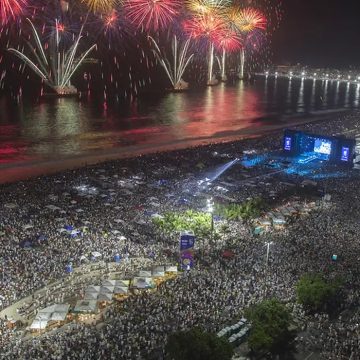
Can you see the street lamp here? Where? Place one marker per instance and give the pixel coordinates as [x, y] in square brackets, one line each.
[268, 243]
[210, 209]
[3, 270]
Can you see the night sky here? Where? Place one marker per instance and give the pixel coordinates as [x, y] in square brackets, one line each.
[319, 33]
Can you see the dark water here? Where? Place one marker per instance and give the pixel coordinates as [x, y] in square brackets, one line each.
[59, 128]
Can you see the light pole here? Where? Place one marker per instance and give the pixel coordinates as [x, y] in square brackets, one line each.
[267, 244]
[210, 209]
[3, 270]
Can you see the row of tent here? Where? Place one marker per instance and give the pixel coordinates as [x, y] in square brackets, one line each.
[56, 312]
[236, 333]
[279, 217]
[145, 279]
[107, 289]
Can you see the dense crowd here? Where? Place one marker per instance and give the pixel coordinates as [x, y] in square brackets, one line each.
[111, 205]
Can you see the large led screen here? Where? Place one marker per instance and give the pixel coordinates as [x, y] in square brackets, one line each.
[322, 146]
[287, 143]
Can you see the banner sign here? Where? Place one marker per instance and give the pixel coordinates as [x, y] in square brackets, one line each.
[187, 242]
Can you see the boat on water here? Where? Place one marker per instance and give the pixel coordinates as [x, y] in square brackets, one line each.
[62, 91]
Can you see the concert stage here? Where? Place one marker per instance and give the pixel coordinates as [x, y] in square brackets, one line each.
[311, 147]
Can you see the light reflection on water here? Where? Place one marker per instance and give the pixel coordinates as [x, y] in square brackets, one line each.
[64, 127]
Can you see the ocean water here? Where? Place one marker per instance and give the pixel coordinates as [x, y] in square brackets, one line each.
[53, 129]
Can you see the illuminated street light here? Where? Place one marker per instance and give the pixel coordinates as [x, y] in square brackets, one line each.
[210, 210]
[268, 243]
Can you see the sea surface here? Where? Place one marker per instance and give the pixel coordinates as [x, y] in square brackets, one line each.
[56, 129]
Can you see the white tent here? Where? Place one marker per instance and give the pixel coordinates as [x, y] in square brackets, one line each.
[144, 273]
[108, 283]
[85, 306]
[121, 290]
[50, 309]
[171, 269]
[279, 221]
[107, 289]
[39, 324]
[92, 288]
[143, 283]
[158, 271]
[58, 316]
[43, 316]
[122, 283]
[56, 312]
[105, 297]
[91, 296]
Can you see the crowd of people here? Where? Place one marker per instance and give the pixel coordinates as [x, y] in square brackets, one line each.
[49, 222]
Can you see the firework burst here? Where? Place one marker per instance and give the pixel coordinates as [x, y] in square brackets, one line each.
[11, 9]
[153, 15]
[207, 6]
[208, 27]
[228, 41]
[101, 6]
[114, 30]
[248, 19]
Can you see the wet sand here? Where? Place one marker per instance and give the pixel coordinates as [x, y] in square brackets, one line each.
[25, 170]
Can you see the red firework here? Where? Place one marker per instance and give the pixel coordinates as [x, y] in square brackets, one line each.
[229, 40]
[250, 19]
[111, 19]
[152, 14]
[10, 9]
[207, 26]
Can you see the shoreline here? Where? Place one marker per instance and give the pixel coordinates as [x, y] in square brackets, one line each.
[22, 171]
